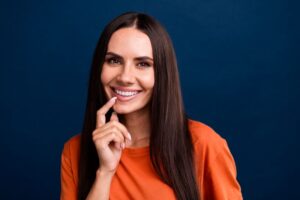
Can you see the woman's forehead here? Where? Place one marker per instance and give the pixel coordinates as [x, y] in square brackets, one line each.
[130, 42]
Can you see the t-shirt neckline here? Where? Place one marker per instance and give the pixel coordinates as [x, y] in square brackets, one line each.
[138, 151]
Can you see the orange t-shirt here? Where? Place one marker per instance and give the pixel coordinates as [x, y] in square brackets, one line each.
[135, 177]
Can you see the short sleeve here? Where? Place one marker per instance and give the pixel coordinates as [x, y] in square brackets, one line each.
[215, 166]
[68, 186]
[220, 177]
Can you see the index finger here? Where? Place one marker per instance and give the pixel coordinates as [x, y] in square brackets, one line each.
[103, 110]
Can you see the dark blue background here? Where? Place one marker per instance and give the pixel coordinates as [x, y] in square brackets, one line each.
[239, 70]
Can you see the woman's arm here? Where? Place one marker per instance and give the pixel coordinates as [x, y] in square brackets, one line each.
[101, 187]
[68, 185]
[220, 179]
[109, 139]
[215, 166]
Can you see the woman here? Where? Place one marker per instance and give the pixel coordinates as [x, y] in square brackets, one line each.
[136, 141]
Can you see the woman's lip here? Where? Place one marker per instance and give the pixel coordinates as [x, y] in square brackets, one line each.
[125, 89]
[124, 98]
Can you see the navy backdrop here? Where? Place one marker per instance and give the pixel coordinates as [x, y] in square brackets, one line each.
[239, 71]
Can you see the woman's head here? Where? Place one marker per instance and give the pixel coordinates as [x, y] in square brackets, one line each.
[128, 71]
[143, 38]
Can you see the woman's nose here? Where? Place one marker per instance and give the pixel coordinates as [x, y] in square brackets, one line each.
[126, 75]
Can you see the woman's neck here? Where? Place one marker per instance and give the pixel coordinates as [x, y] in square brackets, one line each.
[138, 125]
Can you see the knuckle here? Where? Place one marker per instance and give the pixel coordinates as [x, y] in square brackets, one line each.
[94, 137]
[114, 129]
[113, 134]
[123, 127]
[99, 112]
[101, 145]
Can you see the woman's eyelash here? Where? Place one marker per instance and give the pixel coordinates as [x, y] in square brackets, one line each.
[144, 64]
[113, 60]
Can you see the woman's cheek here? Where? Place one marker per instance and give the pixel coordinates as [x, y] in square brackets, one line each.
[105, 75]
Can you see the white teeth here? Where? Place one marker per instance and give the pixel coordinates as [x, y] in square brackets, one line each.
[125, 93]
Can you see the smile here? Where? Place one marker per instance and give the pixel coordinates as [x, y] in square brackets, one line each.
[125, 92]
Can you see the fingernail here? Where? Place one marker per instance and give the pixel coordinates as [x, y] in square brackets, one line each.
[113, 99]
[129, 136]
[123, 146]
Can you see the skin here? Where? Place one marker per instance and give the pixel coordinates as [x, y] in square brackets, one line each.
[128, 66]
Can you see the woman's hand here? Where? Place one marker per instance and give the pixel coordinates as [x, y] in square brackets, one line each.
[109, 138]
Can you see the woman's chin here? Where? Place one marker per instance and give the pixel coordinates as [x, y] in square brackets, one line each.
[121, 110]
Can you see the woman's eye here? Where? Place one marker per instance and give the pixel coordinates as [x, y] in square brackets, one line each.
[113, 61]
[143, 64]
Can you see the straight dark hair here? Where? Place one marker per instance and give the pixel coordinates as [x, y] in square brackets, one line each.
[171, 148]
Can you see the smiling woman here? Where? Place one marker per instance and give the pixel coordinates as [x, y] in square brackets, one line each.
[128, 71]
[136, 141]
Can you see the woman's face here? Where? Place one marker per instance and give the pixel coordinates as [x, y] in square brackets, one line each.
[128, 70]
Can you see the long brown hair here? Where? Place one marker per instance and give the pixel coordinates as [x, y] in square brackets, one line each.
[171, 148]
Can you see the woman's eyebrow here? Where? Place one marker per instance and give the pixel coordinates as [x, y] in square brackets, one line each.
[113, 54]
[137, 58]
[143, 58]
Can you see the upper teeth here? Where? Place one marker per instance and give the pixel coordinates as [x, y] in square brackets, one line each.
[126, 93]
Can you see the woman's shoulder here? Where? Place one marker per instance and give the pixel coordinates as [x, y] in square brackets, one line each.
[72, 144]
[69, 165]
[203, 136]
[74, 140]
[214, 163]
